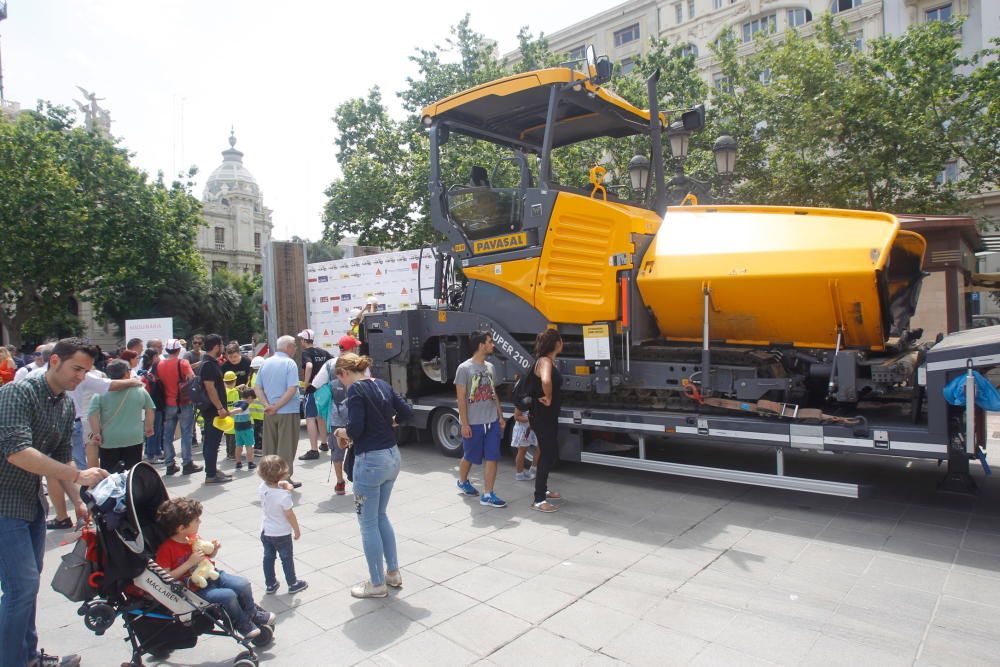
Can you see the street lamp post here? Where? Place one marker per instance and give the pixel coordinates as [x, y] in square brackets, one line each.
[682, 184]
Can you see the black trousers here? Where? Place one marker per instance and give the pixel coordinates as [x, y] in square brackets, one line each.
[110, 457]
[545, 423]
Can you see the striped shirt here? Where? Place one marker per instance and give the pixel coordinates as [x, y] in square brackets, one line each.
[31, 415]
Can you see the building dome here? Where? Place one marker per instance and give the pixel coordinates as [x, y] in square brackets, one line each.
[231, 177]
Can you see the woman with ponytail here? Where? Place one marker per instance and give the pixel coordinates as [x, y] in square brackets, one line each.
[372, 406]
[544, 416]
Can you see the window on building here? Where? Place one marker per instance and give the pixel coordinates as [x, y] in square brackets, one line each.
[690, 9]
[678, 13]
[717, 4]
[256, 268]
[721, 82]
[627, 65]
[689, 50]
[578, 53]
[949, 174]
[942, 13]
[626, 35]
[765, 24]
[219, 266]
[843, 5]
[858, 39]
[799, 17]
[220, 238]
[256, 241]
[765, 76]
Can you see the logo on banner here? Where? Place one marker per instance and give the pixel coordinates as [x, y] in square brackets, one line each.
[345, 297]
[312, 280]
[324, 299]
[334, 298]
[415, 266]
[378, 272]
[324, 279]
[404, 292]
[336, 309]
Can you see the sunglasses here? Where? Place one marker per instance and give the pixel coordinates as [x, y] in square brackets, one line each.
[37, 354]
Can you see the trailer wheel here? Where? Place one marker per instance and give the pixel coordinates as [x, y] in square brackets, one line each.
[447, 432]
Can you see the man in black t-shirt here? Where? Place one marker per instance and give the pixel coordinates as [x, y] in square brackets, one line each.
[237, 363]
[313, 359]
[211, 377]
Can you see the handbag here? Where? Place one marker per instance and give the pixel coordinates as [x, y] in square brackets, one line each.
[73, 577]
[349, 464]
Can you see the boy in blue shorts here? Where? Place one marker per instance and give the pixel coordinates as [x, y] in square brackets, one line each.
[482, 419]
[244, 427]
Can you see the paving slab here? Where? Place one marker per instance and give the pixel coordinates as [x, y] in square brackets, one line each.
[637, 569]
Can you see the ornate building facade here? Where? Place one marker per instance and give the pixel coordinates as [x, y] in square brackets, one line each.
[238, 225]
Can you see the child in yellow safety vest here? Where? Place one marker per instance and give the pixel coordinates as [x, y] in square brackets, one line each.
[256, 407]
[232, 395]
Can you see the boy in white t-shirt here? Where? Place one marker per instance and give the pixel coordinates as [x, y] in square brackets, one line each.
[279, 524]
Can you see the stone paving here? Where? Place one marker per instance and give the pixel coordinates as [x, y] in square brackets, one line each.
[637, 569]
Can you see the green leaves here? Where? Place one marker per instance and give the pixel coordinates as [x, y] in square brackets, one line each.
[79, 221]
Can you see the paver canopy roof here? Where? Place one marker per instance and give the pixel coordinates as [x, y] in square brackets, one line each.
[513, 110]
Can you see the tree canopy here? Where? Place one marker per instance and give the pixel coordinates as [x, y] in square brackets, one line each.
[79, 221]
[818, 122]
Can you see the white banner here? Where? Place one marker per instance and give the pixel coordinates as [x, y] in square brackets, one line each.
[337, 287]
[157, 327]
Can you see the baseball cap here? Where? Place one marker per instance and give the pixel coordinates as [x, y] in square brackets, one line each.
[224, 423]
[307, 334]
[348, 343]
[256, 362]
[173, 344]
[229, 377]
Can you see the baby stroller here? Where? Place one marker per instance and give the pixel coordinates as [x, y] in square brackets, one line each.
[159, 612]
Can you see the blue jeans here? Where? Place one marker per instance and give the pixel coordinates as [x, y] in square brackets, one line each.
[79, 450]
[22, 545]
[154, 443]
[232, 592]
[171, 415]
[210, 446]
[375, 474]
[274, 547]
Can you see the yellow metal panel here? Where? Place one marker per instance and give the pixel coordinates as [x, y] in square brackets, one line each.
[517, 276]
[777, 274]
[576, 281]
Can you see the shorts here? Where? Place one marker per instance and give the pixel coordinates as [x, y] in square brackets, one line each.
[484, 443]
[336, 453]
[523, 436]
[244, 437]
[311, 410]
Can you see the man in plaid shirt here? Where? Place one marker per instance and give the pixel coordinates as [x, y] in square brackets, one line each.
[36, 424]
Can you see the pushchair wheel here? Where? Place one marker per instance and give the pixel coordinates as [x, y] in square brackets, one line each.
[265, 637]
[245, 659]
[99, 617]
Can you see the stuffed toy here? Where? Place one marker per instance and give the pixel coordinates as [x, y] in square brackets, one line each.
[205, 570]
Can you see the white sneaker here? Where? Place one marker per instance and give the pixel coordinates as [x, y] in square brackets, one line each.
[521, 477]
[531, 473]
[394, 579]
[369, 590]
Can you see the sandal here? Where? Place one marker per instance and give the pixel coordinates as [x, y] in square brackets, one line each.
[59, 524]
[553, 495]
[544, 506]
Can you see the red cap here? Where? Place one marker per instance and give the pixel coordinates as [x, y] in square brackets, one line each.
[348, 343]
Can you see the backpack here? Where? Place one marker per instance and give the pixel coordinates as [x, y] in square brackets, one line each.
[527, 388]
[154, 386]
[196, 389]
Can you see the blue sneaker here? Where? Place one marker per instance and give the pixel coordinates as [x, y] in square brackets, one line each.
[491, 500]
[467, 488]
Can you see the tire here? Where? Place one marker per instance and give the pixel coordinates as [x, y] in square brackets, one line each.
[447, 432]
[244, 662]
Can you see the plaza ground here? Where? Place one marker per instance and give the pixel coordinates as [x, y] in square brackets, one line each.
[636, 569]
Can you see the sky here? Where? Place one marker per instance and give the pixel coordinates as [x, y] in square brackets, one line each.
[177, 75]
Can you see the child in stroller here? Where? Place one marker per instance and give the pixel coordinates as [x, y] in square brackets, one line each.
[161, 614]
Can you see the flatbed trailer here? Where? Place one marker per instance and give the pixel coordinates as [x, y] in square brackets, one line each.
[939, 432]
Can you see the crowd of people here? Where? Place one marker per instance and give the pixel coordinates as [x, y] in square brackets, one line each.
[132, 405]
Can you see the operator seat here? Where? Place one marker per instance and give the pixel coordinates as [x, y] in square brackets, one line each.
[479, 177]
